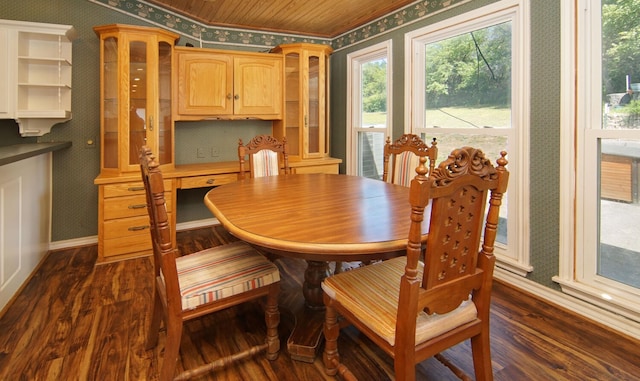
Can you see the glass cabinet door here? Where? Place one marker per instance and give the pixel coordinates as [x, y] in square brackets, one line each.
[312, 119]
[292, 106]
[138, 91]
[110, 103]
[164, 135]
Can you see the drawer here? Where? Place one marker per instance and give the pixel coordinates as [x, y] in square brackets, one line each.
[127, 235]
[126, 227]
[124, 245]
[130, 206]
[324, 168]
[207, 181]
[129, 189]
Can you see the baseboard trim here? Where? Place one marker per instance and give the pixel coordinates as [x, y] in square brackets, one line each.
[561, 300]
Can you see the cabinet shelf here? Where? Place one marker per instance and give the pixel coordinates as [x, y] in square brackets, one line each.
[39, 63]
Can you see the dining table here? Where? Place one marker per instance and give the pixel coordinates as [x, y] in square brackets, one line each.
[320, 218]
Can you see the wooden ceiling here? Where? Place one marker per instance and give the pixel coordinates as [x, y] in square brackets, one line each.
[322, 18]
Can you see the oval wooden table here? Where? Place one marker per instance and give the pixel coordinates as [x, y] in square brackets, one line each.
[319, 218]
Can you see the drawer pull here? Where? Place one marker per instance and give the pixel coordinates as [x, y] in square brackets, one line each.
[210, 181]
[135, 189]
[137, 206]
[137, 228]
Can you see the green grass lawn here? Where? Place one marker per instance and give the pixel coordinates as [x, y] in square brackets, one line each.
[460, 117]
[455, 117]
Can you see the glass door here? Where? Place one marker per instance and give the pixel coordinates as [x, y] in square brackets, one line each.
[110, 104]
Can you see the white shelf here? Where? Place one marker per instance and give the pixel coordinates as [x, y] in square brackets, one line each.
[39, 67]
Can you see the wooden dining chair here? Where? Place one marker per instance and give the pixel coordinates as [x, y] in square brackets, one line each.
[193, 285]
[267, 156]
[401, 158]
[414, 310]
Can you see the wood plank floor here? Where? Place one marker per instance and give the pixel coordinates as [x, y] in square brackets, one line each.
[77, 321]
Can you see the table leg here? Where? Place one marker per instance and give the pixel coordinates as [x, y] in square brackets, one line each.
[315, 273]
[306, 336]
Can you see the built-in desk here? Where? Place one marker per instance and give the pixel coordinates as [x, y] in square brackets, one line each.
[25, 209]
[123, 222]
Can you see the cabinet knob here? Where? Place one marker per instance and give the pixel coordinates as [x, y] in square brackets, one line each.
[236, 97]
[229, 96]
[210, 181]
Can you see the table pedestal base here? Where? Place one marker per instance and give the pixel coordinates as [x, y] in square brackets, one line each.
[306, 337]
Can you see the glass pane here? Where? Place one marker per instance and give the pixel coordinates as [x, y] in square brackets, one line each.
[313, 122]
[373, 88]
[164, 114]
[371, 149]
[620, 69]
[292, 107]
[490, 145]
[110, 99]
[468, 80]
[619, 248]
[137, 99]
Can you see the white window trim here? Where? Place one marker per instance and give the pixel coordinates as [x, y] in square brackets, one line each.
[577, 255]
[515, 258]
[354, 60]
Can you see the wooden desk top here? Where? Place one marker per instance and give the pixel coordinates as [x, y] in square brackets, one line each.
[320, 217]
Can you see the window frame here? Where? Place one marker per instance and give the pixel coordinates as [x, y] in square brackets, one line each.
[355, 60]
[513, 257]
[581, 108]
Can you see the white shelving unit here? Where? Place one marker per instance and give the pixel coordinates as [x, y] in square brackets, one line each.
[38, 65]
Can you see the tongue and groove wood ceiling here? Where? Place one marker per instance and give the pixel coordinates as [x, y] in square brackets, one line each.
[318, 18]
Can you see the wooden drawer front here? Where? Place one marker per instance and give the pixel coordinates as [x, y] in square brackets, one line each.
[125, 245]
[130, 206]
[126, 227]
[207, 181]
[129, 189]
[327, 168]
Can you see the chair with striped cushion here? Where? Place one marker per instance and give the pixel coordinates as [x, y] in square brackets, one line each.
[414, 310]
[401, 158]
[267, 156]
[193, 285]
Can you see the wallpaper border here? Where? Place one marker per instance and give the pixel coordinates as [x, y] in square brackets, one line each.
[211, 35]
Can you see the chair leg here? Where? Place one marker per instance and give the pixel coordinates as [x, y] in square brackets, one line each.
[481, 350]
[154, 328]
[272, 319]
[331, 357]
[171, 349]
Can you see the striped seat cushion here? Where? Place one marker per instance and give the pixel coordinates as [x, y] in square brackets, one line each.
[265, 163]
[405, 168]
[221, 272]
[371, 293]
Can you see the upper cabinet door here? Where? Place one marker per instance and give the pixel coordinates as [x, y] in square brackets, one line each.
[205, 84]
[258, 86]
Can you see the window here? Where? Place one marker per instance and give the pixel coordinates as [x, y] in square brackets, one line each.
[599, 258]
[467, 87]
[369, 88]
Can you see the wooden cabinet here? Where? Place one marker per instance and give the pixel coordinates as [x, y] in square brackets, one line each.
[135, 95]
[227, 85]
[135, 83]
[305, 121]
[35, 70]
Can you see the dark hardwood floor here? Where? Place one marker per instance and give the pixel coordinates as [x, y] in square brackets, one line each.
[77, 321]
